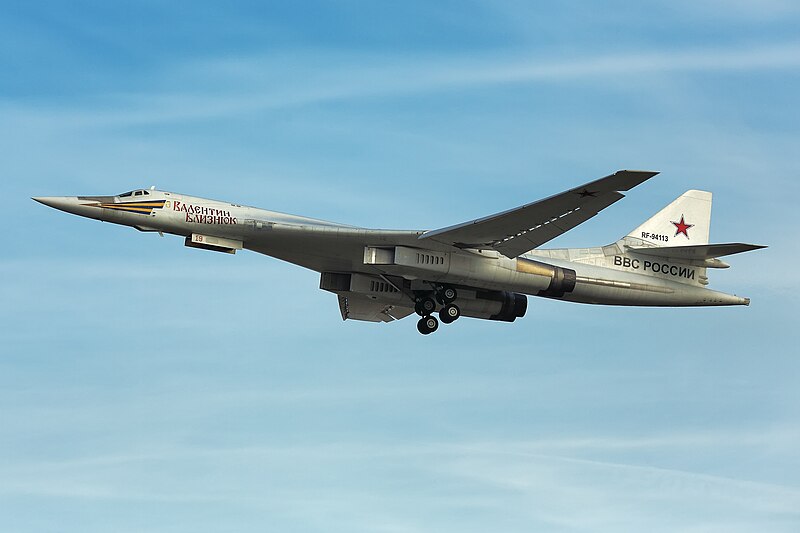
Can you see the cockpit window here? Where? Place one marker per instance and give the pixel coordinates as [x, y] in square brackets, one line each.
[140, 192]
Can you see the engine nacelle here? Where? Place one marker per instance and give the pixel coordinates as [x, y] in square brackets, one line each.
[493, 305]
[476, 303]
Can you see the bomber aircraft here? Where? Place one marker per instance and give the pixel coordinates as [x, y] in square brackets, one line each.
[484, 268]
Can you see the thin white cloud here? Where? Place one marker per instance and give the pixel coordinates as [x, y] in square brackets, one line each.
[259, 84]
[534, 480]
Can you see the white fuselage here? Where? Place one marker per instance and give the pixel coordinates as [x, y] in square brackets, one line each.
[607, 275]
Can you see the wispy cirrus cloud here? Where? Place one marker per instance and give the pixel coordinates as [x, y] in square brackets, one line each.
[559, 482]
[238, 86]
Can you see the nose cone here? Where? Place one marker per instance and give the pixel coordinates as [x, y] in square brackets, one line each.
[71, 204]
[64, 203]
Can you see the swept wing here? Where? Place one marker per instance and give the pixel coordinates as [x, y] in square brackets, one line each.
[524, 228]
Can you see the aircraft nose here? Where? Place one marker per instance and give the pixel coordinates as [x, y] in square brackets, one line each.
[63, 203]
[70, 204]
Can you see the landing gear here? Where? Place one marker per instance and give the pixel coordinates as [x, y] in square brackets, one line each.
[448, 295]
[449, 313]
[425, 305]
[445, 295]
[427, 325]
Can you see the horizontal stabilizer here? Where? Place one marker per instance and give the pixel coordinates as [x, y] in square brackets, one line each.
[696, 253]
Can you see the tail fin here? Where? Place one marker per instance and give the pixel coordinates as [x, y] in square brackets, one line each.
[686, 221]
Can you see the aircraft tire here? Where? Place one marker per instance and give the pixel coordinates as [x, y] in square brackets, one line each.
[449, 294]
[449, 314]
[425, 306]
[427, 325]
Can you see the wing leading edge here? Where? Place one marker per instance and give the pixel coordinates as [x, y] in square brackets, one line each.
[524, 228]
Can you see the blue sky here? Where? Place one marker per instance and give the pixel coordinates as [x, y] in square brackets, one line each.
[148, 386]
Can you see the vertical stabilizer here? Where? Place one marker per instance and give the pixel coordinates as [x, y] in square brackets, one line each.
[686, 221]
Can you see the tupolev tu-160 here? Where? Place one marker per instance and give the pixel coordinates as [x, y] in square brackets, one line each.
[484, 268]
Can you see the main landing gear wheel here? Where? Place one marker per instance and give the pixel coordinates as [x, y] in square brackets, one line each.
[449, 313]
[445, 295]
[427, 325]
[449, 294]
[425, 306]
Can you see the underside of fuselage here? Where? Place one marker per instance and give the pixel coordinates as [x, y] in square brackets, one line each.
[388, 270]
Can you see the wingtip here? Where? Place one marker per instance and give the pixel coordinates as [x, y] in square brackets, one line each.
[625, 180]
[649, 173]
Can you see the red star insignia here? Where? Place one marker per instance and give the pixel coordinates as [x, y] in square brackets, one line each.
[682, 227]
